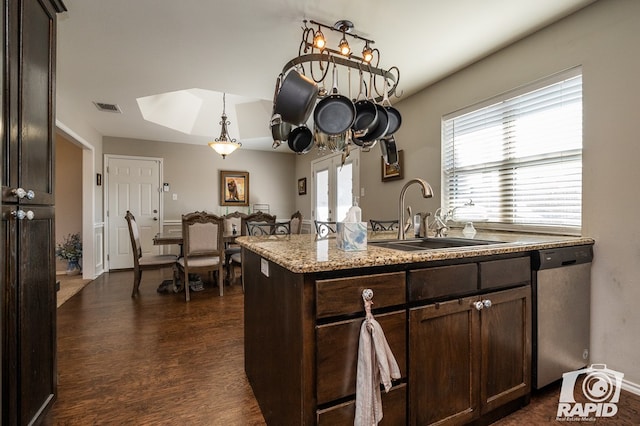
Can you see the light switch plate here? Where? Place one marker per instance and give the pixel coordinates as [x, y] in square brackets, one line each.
[264, 267]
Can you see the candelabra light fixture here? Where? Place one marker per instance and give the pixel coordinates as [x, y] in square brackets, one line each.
[224, 145]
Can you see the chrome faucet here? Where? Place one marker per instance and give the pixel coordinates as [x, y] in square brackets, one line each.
[427, 192]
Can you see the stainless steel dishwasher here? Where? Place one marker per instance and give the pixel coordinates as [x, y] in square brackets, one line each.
[561, 311]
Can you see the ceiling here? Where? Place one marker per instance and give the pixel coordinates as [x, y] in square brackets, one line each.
[119, 51]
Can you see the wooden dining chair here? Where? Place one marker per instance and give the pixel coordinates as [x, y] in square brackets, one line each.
[295, 224]
[232, 221]
[203, 248]
[236, 258]
[145, 262]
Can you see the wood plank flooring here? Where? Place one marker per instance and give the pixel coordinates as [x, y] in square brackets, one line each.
[153, 360]
[156, 360]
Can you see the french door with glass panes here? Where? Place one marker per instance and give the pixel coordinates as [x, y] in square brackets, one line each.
[334, 185]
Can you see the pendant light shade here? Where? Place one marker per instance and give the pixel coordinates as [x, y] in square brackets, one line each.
[224, 145]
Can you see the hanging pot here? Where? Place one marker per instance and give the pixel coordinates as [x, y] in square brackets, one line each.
[393, 115]
[335, 113]
[296, 98]
[366, 113]
[321, 139]
[301, 139]
[337, 143]
[280, 129]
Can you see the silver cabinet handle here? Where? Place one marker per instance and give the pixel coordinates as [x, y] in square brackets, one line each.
[482, 304]
[21, 214]
[21, 193]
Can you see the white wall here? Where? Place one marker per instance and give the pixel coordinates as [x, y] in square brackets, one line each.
[603, 38]
[193, 171]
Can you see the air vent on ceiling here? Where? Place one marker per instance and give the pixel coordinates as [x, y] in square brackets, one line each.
[108, 107]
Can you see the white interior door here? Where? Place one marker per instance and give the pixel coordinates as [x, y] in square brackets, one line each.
[132, 184]
[334, 185]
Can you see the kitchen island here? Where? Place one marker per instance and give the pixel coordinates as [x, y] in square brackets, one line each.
[458, 321]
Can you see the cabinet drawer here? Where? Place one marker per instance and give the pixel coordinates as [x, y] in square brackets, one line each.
[505, 272]
[337, 353]
[442, 281]
[344, 295]
[394, 408]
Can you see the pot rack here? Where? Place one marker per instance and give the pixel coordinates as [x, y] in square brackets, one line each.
[319, 60]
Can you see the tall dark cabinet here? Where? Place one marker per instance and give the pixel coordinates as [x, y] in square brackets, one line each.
[28, 308]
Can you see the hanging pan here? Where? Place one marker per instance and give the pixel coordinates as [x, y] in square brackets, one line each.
[366, 113]
[335, 113]
[389, 150]
[381, 126]
[395, 119]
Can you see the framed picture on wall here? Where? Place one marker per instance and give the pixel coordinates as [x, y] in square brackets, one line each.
[392, 171]
[234, 188]
[302, 186]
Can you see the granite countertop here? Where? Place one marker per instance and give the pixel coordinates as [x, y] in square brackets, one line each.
[305, 253]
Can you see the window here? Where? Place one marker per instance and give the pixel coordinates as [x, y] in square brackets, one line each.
[519, 156]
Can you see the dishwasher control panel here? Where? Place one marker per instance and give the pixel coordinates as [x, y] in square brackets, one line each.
[562, 256]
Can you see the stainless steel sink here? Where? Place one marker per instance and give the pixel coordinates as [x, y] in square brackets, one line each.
[430, 243]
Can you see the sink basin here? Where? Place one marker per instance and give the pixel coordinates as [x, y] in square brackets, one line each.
[430, 243]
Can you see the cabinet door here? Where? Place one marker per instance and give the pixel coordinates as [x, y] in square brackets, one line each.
[506, 347]
[28, 151]
[31, 309]
[444, 362]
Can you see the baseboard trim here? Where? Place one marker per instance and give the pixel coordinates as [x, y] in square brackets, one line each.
[631, 387]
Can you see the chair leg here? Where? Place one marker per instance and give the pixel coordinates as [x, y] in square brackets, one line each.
[220, 281]
[185, 279]
[137, 277]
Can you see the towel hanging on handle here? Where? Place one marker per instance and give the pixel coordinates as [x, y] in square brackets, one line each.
[376, 365]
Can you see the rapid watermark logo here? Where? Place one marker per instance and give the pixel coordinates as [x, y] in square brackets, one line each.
[601, 390]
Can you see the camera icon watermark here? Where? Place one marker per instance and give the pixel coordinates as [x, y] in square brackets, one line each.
[597, 389]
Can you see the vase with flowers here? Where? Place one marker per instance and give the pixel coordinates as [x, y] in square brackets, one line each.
[71, 251]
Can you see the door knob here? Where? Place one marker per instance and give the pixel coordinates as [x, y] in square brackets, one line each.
[478, 305]
[21, 214]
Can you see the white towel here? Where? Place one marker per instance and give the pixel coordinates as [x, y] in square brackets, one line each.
[376, 364]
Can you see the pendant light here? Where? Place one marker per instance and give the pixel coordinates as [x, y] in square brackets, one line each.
[224, 145]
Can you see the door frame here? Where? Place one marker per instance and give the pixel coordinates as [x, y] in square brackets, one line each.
[105, 194]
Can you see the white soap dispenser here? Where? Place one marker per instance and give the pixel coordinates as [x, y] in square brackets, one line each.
[355, 211]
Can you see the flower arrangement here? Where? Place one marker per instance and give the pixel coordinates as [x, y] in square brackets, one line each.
[70, 249]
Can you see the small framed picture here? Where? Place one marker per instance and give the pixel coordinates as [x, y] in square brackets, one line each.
[234, 188]
[302, 186]
[393, 171]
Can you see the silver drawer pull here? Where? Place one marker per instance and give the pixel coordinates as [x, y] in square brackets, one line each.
[21, 214]
[21, 193]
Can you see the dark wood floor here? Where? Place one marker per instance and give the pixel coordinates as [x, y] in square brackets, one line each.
[157, 360]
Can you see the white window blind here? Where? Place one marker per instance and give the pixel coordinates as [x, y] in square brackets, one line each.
[519, 156]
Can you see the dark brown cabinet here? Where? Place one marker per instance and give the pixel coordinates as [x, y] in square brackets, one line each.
[469, 356]
[28, 261]
[460, 332]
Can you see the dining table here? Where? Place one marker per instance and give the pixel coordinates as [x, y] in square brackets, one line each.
[175, 238]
